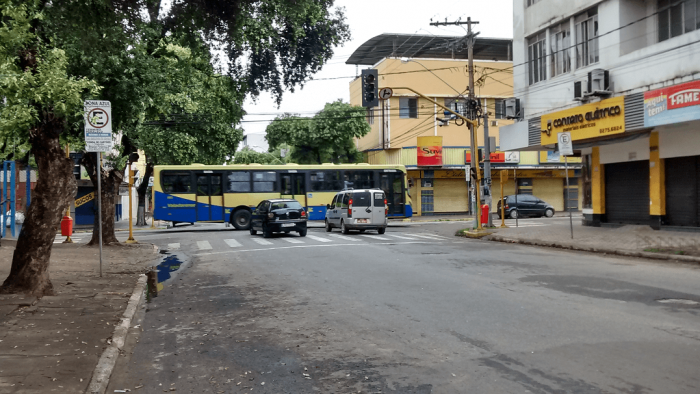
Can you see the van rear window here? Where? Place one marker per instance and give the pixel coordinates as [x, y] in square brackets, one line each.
[361, 199]
[378, 199]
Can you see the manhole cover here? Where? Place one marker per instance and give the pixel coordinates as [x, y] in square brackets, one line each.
[680, 301]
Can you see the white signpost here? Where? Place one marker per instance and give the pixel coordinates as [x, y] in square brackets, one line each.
[98, 139]
[566, 148]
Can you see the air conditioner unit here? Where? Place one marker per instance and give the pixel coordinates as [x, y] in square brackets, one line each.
[599, 82]
[513, 108]
[578, 91]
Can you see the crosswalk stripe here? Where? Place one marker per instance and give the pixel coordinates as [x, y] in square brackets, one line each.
[374, 237]
[426, 236]
[431, 235]
[293, 240]
[203, 245]
[399, 236]
[232, 243]
[174, 246]
[343, 237]
[319, 239]
[262, 241]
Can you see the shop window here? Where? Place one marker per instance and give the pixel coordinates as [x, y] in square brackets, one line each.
[560, 42]
[536, 55]
[587, 38]
[408, 107]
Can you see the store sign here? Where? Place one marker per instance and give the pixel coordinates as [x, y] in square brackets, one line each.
[496, 157]
[429, 151]
[675, 104]
[599, 119]
[84, 199]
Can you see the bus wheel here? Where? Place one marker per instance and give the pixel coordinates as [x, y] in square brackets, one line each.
[241, 219]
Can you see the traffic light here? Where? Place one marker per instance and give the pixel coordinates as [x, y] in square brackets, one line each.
[370, 94]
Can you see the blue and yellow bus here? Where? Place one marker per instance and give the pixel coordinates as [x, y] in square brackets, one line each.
[199, 193]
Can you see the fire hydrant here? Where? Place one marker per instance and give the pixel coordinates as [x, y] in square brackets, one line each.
[485, 214]
[67, 226]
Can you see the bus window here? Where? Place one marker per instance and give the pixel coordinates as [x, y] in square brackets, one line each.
[264, 181]
[176, 183]
[239, 182]
[360, 179]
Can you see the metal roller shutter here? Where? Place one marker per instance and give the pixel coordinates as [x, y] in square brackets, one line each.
[682, 202]
[627, 192]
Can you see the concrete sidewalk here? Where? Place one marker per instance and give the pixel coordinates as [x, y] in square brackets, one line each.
[53, 344]
[636, 241]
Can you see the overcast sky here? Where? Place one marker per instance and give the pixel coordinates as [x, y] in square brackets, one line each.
[369, 18]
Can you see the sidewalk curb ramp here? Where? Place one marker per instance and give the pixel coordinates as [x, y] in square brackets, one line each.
[571, 246]
[105, 366]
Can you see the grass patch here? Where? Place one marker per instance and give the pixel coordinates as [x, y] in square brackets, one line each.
[669, 251]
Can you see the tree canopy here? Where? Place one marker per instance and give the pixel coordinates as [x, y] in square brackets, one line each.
[327, 137]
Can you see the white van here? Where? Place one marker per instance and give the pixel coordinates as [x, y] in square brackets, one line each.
[361, 209]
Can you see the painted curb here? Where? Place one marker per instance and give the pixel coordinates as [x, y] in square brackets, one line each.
[646, 255]
[105, 366]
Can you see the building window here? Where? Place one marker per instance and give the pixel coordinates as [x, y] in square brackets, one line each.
[500, 108]
[531, 2]
[536, 55]
[408, 107]
[370, 115]
[587, 38]
[677, 17]
[560, 37]
[457, 104]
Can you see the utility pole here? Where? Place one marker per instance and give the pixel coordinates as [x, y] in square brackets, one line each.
[487, 164]
[471, 38]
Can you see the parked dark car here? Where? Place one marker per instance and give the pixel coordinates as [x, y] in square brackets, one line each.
[278, 215]
[528, 205]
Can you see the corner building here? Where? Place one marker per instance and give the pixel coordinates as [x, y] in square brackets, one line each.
[406, 130]
[623, 77]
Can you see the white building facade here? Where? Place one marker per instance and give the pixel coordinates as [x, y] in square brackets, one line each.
[623, 77]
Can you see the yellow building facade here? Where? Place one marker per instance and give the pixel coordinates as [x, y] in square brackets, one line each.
[399, 123]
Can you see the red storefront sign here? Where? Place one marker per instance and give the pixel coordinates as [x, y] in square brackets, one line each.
[685, 95]
[429, 151]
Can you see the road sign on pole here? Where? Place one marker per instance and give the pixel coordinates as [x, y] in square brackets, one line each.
[566, 147]
[385, 93]
[98, 126]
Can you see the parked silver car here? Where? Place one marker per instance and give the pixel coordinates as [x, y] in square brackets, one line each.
[362, 209]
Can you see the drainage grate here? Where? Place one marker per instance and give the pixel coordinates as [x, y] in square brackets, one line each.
[678, 301]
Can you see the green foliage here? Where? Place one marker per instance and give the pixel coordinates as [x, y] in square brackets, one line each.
[33, 78]
[249, 156]
[328, 137]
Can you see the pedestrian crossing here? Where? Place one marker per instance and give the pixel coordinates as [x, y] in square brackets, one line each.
[282, 241]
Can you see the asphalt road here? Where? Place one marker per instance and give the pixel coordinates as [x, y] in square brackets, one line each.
[413, 311]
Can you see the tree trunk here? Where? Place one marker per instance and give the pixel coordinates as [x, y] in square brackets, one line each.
[110, 189]
[55, 188]
[141, 190]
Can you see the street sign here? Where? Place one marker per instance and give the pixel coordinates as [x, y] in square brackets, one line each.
[385, 93]
[98, 126]
[566, 146]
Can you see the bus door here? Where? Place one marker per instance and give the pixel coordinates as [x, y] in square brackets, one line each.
[392, 184]
[294, 186]
[210, 197]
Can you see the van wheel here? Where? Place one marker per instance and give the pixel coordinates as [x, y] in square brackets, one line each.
[514, 214]
[549, 212]
[343, 229]
[241, 219]
[328, 227]
[381, 230]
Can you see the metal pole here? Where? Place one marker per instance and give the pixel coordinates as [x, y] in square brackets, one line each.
[29, 186]
[99, 205]
[566, 204]
[517, 213]
[474, 144]
[153, 204]
[383, 125]
[131, 239]
[487, 163]
[68, 240]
